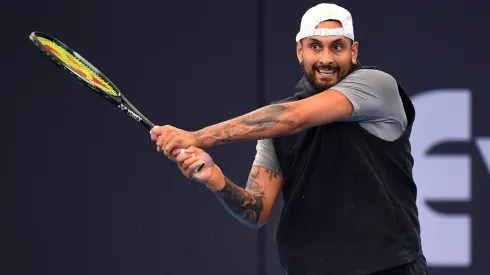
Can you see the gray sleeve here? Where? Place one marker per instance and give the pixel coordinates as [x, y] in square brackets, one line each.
[266, 156]
[377, 103]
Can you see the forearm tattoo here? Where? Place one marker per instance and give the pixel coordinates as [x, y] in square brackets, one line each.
[237, 129]
[263, 118]
[245, 204]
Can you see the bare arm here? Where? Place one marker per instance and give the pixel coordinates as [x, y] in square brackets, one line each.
[253, 204]
[278, 119]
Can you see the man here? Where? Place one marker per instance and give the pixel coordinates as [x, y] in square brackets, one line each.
[338, 150]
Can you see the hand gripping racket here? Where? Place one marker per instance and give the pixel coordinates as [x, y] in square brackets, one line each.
[66, 58]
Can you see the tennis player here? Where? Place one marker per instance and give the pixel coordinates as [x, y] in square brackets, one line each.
[337, 149]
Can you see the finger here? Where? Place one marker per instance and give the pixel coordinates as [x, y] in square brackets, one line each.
[165, 141]
[195, 150]
[160, 131]
[190, 150]
[194, 167]
[169, 146]
[190, 169]
[183, 157]
[160, 141]
[188, 161]
[176, 152]
[154, 133]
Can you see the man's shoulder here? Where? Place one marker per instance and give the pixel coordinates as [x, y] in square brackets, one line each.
[371, 74]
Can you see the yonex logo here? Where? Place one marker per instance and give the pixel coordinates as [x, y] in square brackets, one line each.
[129, 112]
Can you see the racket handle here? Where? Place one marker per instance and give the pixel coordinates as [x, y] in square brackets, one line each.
[198, 169]
[147, 124]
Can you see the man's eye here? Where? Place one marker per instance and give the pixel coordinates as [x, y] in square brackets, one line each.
[315, 46]
[338, 47]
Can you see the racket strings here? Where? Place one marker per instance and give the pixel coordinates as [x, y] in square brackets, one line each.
[82, 69]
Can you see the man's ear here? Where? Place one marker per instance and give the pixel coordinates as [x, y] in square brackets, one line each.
[355, 51]
[299, 51]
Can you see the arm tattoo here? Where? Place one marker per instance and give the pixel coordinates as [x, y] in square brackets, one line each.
[244, 204]
[263, 119]
[268, 121]
[272, 175]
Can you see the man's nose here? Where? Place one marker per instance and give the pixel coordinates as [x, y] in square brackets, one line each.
[326, 57]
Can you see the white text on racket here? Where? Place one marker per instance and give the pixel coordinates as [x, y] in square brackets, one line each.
[129, 112]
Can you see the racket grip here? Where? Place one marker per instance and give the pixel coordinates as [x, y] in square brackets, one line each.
[147, 124]
[198, 169]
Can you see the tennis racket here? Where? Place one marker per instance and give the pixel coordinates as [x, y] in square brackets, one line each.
[87, 74]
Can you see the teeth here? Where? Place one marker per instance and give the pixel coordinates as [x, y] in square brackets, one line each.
[326, 72]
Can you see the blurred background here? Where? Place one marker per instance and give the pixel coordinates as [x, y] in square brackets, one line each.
[83, 190]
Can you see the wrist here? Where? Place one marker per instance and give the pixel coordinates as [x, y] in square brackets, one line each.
[217, 180]
[197, 139]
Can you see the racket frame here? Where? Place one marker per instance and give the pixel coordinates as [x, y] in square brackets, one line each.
[119, 100]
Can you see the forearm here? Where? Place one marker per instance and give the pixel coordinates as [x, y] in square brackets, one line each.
[246, 205]
[266, 122]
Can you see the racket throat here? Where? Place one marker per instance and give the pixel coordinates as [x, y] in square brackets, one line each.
[132, 114]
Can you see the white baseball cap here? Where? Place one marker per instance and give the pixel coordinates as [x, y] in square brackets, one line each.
[322, 12]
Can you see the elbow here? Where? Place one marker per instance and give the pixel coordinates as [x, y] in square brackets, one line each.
[256, 226]
[262, 221]
[252, 224]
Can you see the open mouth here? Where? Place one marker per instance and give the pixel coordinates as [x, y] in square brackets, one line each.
[326, 72]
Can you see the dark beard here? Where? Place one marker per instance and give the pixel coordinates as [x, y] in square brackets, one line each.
[320, 87]
[311, 78]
